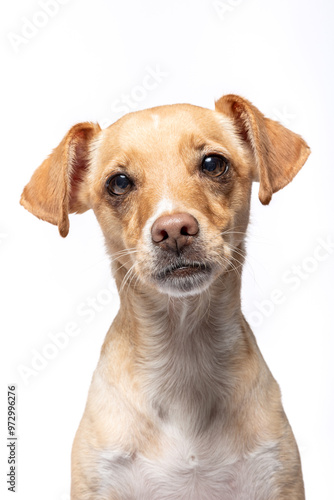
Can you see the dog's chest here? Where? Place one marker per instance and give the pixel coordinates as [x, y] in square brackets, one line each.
[192, 470]
[184, 471]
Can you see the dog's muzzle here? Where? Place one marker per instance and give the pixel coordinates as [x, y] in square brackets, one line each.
[181, 266]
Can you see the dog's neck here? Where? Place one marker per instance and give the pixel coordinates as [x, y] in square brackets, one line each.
[189, 350]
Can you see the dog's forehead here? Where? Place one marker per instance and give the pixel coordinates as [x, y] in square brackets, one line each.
[165, 127]
[173, 118]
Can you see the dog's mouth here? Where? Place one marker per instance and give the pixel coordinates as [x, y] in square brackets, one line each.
[182, 269]
[184, 277]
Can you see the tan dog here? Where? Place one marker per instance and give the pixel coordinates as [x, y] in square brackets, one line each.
[182, 404]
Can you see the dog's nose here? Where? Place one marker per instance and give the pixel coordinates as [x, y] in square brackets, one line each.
[173, 232]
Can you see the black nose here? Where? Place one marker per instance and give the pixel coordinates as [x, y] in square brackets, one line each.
[173, 232]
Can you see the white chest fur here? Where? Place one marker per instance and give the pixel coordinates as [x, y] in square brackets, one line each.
[188, 469]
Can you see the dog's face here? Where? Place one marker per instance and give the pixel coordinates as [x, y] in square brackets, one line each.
[170, 187]
[166, 185]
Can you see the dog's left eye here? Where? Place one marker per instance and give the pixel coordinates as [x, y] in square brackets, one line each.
[118, 184]
[214, 166]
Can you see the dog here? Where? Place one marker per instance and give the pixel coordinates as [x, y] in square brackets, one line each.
[182, 404]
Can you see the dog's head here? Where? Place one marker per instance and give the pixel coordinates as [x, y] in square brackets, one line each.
[170, 187]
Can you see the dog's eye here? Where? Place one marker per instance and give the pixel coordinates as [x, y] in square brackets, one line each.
[118, 184]
[214, 166]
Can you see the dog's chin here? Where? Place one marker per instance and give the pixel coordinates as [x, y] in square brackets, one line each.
[184, 279]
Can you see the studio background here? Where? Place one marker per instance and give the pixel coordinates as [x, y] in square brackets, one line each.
[66, 61]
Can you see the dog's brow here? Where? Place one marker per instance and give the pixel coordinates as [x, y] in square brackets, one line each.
[117, 164]
[204, 147]
[196, 143]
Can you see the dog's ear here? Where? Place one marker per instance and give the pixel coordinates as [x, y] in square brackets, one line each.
[54, 190]
[278, 153]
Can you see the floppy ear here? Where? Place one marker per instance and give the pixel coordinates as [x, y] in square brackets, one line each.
[278, 153]
[54, 189]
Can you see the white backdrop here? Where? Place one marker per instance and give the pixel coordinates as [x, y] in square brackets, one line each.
[65, 61]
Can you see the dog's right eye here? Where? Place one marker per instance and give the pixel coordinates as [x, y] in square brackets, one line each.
[118, 184]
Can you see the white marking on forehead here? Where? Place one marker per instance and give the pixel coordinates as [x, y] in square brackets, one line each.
[156, 120]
